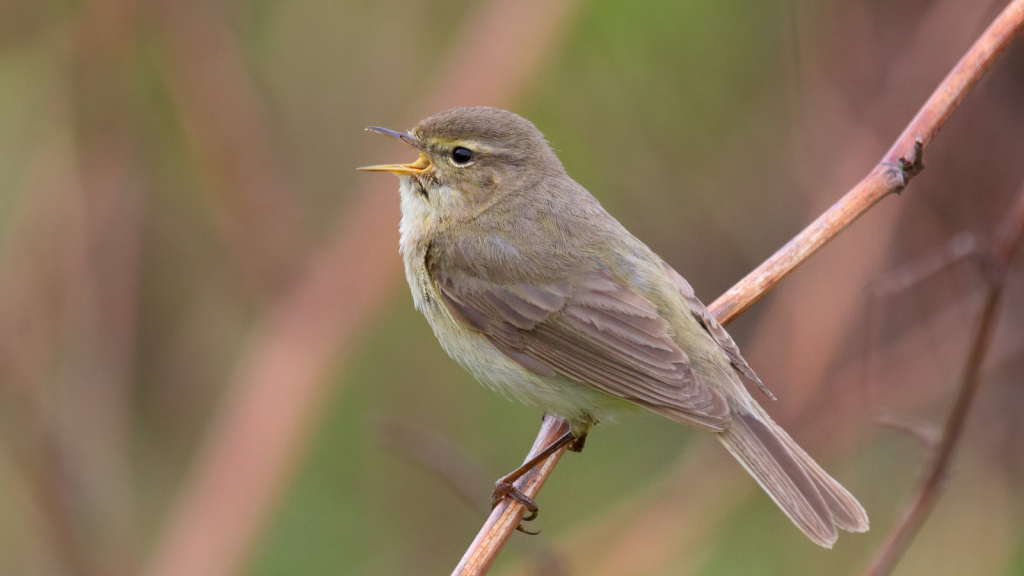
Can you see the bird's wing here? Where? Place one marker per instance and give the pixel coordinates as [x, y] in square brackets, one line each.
[714, 329]
[591, 328]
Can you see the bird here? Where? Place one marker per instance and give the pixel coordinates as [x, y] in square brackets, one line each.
[537, 291]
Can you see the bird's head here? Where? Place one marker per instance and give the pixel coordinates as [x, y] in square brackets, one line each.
[469, 158]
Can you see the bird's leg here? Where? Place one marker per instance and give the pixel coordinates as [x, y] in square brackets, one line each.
[505, 486]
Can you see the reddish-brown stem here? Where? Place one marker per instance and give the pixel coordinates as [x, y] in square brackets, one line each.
[997, 258]
[507, 514]
[902, 162]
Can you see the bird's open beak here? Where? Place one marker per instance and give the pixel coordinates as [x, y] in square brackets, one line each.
[421, 165]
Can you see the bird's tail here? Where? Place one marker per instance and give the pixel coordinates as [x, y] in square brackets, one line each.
[815, 502]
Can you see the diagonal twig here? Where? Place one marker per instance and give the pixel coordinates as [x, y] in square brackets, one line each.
[444, 460]
[900, 164]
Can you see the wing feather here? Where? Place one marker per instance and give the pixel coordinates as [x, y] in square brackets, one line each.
[714, 329]
[594, 330]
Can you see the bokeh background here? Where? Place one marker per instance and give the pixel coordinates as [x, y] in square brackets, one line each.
[210, 364]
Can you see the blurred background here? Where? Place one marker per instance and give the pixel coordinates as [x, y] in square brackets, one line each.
[210, 364]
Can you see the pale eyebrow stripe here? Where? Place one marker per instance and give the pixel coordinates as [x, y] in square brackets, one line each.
[477, 146]
[474, 145]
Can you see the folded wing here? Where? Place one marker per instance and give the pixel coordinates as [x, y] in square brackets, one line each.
[593, 329]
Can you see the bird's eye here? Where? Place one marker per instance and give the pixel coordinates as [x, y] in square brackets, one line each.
[462, 156]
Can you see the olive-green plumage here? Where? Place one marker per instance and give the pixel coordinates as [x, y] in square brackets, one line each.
[539, 293]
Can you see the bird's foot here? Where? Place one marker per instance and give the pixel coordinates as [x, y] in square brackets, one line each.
[504, 490]
[505, 487]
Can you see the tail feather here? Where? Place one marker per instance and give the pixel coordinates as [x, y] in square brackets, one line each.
[815, 502]
[847, 512]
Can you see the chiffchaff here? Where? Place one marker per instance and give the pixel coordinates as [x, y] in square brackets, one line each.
[539, 293]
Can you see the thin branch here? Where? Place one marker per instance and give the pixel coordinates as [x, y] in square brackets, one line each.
[442, 458]
[507, 514]
[901, 163]
[999, 254]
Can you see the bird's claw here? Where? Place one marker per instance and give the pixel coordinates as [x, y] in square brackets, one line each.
[504, 490]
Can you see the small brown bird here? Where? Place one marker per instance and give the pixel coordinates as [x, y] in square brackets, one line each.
[539, 293]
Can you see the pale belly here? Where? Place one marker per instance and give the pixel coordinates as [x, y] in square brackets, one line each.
[579, 403]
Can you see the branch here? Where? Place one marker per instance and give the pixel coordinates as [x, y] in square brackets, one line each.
[997, 259]
[507, 514]
[901, 163]
[441, 458]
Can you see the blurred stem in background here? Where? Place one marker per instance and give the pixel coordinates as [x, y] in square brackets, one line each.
[995, 259]
[70, 300]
